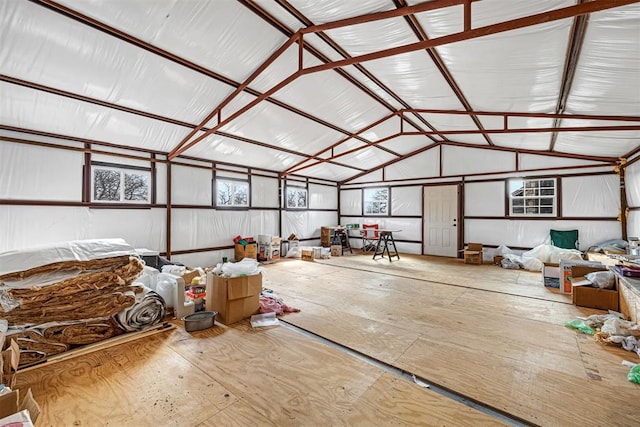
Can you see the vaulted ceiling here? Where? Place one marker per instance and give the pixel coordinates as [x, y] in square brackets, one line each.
[329, 89]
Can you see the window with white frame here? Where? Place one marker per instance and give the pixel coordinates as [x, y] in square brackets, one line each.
[376, 201]
[296, 197]
[232, 193]
[532, 197]
[120, 183]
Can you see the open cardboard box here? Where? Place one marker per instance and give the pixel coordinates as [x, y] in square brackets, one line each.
[234, 298]
[588, 296]
[10, 404]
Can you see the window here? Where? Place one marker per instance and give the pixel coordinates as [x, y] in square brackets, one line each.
[120, 183]
[296, 198]
[532, 197]
[232, 193]
[376, 201]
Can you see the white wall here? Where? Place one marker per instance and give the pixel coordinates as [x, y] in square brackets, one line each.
[40, 180]
[632, 187]
[405, 218]
[596, 196]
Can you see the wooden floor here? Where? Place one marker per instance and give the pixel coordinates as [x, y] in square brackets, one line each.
[492, 335]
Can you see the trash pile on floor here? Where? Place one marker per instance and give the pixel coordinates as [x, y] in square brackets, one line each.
[611, 329]
[56, 297]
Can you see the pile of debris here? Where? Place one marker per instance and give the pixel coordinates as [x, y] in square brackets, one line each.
[60, 296]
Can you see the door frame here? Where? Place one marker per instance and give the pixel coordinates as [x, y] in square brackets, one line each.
[460, 214]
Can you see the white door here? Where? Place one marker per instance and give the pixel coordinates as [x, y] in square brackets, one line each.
[441, 220]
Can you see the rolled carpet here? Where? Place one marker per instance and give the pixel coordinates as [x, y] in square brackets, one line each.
[149, 309]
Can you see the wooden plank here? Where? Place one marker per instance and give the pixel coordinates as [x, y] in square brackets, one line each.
[104, 344]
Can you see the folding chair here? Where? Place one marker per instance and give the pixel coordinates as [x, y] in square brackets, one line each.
[565, 239]
[370, 237]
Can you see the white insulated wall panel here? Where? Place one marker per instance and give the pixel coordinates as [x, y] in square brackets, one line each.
[633, 224]
[632, 184]
[204, 228]
[26, 226]
[406, 200]
[118, 160]
[30, 172]
[306, 224]
[190, 186]
[529, 234]
[465, 161]
[533, 161]
[484, 198]
[422, 165]
[264, 192]
[161, 183]
[323, 197]
[591, 196]
[203, 259]
[351, 202]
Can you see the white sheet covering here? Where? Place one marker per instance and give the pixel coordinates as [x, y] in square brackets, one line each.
[76, 250]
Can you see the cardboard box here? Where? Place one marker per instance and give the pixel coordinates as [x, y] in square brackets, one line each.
[587, 296]
[307, 255]
[497, 259]
[10, 405]
[336, 250]
[234, 298]
[473, 253]
[317, 252]
[189, 276]
[264, 250]
[551, 275]
[248, 251]
[566, 267]
[629, 297]
[275, 248]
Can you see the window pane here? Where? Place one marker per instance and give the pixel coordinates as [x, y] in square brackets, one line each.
[232, 193]
[136, 186]
[224, 193]
[296, 197]
[376, 201]
[106, 185]
[533, 196]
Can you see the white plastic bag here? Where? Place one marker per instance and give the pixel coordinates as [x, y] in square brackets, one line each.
[602, 279]
[246, 267]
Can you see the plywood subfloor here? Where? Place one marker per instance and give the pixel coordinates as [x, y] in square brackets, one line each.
[236, 376]
[495, 336]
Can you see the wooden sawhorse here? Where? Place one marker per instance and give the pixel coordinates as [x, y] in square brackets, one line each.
[385, 244]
